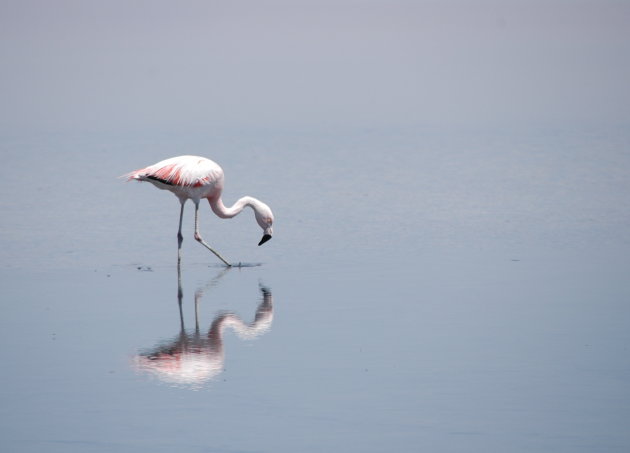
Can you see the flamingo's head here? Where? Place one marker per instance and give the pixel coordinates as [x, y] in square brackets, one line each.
[264, 217]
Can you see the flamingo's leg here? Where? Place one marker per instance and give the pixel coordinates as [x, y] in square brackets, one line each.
[199, 239]
[180, 237]
[180, 296]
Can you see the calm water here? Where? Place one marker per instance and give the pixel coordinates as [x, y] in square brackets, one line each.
[420, 293]
[449, 267]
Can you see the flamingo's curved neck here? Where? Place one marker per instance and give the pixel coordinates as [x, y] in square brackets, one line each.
[227, 213]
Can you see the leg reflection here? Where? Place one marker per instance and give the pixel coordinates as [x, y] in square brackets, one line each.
[192, 359]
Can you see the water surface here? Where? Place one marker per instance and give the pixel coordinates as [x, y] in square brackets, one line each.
[448, 270]
[406, 312]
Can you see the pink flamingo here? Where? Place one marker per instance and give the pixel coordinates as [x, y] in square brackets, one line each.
[193, 177]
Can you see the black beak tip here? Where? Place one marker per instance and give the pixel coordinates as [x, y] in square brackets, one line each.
[264, 239]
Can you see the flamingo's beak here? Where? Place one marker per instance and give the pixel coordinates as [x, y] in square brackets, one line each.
[264, 239]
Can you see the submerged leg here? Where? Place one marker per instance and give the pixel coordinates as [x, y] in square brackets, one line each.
[198, 237]
[180, 238]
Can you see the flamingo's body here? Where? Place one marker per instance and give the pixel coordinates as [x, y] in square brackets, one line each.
[194, 178]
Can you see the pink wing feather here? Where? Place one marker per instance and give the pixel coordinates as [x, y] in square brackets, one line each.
[184, 171]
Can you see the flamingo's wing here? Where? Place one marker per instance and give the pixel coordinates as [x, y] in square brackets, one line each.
[184, 171]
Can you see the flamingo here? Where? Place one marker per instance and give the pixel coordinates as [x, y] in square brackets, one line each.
[194, 178]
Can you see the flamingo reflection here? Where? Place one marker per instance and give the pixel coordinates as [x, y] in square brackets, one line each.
[192, 358]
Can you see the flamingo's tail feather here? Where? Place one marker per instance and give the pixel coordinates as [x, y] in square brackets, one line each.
[137, 175]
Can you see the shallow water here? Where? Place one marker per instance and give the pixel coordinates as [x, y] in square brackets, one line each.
[438, 300]
[449, 266]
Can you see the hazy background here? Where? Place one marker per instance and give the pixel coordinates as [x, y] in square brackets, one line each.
[196, 66]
